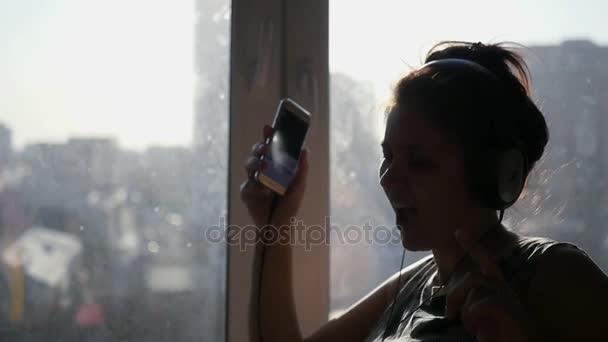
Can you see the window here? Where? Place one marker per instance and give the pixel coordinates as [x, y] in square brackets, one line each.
[114, 119]
[567, 54]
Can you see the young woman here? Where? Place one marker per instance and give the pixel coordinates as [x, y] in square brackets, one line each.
[461, 137]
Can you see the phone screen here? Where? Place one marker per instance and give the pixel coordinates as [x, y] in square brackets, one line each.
[289, 134]
[284, 149]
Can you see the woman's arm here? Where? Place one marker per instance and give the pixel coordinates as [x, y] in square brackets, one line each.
[568, 298]
[278, 314]
[358, 321]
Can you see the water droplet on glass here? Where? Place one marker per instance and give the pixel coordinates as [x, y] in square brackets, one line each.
[175, 219]
[153, 247]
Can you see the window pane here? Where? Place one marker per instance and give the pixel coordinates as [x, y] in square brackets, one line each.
[113, 121]
[568, 56]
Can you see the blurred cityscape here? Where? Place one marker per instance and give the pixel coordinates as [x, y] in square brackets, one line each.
[99, 243]
[85, 224]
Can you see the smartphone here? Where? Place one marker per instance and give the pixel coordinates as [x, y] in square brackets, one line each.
[291, 123]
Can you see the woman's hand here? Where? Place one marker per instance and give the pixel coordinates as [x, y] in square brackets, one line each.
[488, 307]
[258, 198]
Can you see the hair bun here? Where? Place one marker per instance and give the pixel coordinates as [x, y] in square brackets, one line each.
[509, 67]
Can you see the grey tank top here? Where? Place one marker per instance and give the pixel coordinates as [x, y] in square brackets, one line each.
[427, 324]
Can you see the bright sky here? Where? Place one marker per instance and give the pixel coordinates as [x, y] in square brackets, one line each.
[124, 68]
[373, 40]
[120, 68]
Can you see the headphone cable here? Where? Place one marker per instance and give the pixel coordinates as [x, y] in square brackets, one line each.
[273, 206]
[390, 316]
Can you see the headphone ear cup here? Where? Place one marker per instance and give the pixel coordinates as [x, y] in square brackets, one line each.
[510, 177]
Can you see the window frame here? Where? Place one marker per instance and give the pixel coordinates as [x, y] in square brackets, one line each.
[278, 51]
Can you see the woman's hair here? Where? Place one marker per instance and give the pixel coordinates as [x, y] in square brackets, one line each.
[484, 111]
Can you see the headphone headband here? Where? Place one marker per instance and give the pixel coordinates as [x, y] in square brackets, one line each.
[461, 64]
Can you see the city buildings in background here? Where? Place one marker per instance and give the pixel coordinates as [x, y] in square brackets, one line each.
[570, 82]
[139, 218]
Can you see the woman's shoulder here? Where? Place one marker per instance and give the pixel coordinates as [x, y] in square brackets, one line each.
[568, 289]
[533, 248]
[540, 261]
[534, 253]
[548, 253]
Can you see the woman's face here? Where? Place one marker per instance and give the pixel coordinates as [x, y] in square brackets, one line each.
[422, 174]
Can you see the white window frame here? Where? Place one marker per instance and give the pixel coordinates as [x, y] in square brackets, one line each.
[279, 48]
